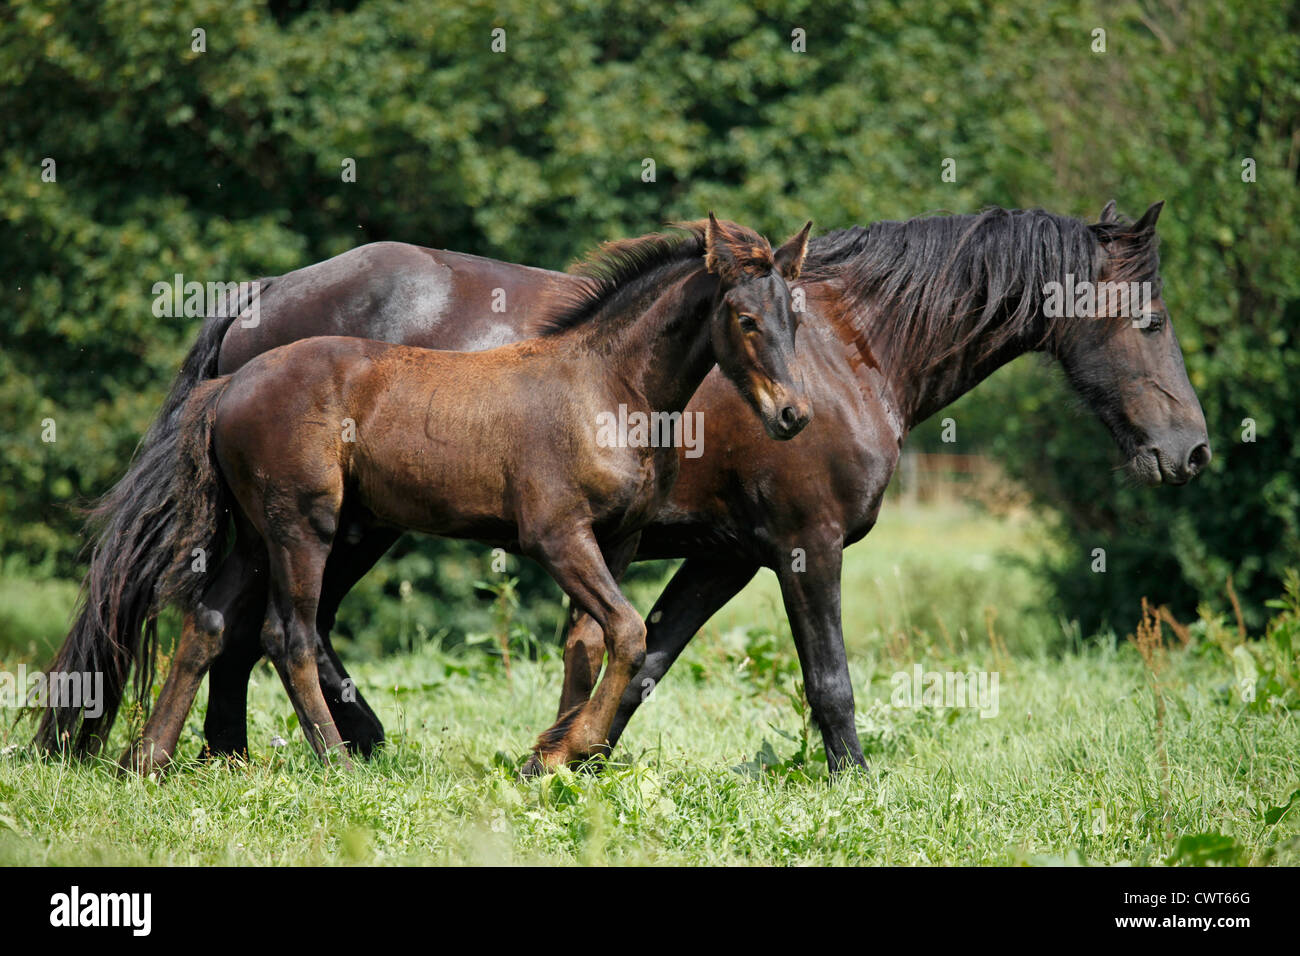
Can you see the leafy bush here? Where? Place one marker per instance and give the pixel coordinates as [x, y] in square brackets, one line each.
[226, 165]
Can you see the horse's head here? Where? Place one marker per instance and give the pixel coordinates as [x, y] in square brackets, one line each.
[753, 325]
[1125, 361]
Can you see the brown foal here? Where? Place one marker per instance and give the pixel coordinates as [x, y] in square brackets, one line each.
[331, 436]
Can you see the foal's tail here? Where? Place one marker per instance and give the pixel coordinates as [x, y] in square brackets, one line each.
[202, 502]
[136, 529]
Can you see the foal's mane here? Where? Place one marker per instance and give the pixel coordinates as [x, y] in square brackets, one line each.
[618, 271]
[940, 283]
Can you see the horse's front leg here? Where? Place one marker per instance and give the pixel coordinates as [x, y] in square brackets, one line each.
[812, 603]
[575, 561]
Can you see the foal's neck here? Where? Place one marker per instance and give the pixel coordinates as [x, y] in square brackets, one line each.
[663, 354]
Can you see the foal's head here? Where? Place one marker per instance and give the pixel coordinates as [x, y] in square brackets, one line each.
[752, 323]
[1126, 361]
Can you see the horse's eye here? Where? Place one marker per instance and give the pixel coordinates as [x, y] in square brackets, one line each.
[1150, 322]
[748, 323]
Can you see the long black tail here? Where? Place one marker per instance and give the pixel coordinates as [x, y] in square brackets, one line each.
[135, 529]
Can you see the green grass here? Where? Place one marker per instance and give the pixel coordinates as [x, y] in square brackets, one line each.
[721, 766]
[34, 616]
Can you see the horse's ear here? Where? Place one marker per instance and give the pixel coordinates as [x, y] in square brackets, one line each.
[1108, 212]
[789, 258]
[1147, 224]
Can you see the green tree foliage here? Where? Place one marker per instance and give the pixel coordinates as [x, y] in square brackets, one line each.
[227, 164]
[1181, 108]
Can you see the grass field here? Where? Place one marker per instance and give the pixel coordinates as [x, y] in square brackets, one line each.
[720, 766]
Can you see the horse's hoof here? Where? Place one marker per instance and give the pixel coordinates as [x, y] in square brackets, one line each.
[211, 754]
[364, 747]
[592, 764]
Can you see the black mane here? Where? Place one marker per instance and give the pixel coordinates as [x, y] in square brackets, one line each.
[941, 282]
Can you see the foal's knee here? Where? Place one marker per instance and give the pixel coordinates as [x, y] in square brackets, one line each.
[301, 646]
[627, 640]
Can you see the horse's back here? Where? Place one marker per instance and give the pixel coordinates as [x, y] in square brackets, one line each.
[396, 292]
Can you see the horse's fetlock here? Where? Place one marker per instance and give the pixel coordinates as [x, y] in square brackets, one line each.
[274, 640]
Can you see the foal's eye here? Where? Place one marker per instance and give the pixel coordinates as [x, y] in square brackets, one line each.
[748, 323]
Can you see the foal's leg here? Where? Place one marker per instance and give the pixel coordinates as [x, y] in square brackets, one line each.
[584, 646]
[348, 563]
[576, 563]
[298, 527]
[289, 635]
[200, 643]
[226, 726]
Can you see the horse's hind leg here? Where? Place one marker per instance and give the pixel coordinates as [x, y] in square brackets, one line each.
[200, 643]
[226, 726]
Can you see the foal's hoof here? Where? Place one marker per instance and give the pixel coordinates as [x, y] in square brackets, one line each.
[535, 767]
[337, 758]
[541, 763]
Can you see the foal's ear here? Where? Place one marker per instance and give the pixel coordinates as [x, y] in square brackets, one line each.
[734, 253]
[789, 258]
[1108, 212]
[718, 255]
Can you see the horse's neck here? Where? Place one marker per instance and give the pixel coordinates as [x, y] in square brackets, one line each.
[920, 386]
[667, 351]
[925, 390]
[913, 387]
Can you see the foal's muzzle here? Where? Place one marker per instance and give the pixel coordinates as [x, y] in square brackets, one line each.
[785, 412]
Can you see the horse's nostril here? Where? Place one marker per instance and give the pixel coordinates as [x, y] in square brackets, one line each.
[789, 417]
[1200, 456]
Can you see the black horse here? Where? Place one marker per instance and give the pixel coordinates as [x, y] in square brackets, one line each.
[900, 319]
